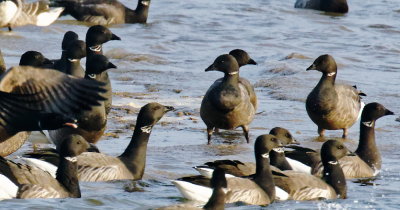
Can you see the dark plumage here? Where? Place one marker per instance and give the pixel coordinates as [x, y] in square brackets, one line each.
[46, 90]
[36, 183]
[228, 103]
[105, 12]
[75, 51]
[337, 6]
[60, 64]
[35, 59]
[332, 106]
[91, 122]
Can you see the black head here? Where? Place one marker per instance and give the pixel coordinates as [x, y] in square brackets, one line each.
[218, 179]
[68, 37]
[76, 49]
[97, 64]
[242, 57]
[97, 35]
[224, 63]
[325, 64]
[151, 113]
[265, 143]
[333, 150]
[52, 121]
[374, 111]
[73, 145]
[283, 135]
[33, 58]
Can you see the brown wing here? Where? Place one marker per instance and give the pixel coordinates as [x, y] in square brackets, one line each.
[353, 167]
[35, 191]
[247, 191]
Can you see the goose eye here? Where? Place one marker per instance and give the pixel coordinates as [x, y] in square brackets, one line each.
[288, 135]
[340, 147]
[79, 142]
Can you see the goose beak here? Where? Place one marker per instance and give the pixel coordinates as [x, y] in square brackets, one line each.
[295, 142]
[115, 37]
[211, 68]
[350, 153]
[72, 125]
[251, 61]
[388, 112]
[312, 67]
[111, 66]
[169, 108]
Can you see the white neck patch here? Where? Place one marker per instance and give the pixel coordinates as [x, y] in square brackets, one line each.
[331, 74]
[233, 73]
[333, 162]
[73, 60]
[146, 129]
[96, 48]
[265, 155]
[279, 150]
[368, 124]
[93, 76]
[72, 159]
[145, 3]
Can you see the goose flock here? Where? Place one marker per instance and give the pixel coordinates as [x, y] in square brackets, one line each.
[71, 103]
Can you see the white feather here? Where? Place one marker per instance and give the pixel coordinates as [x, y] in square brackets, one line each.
[299, 166]
[193, 192]
[8, 189]
[45, 166]
[47, 18]
[8, 10]
[361, 109]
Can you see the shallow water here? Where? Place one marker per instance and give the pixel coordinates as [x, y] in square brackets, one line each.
[164, 61]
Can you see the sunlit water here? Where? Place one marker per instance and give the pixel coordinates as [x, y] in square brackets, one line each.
[164, 61]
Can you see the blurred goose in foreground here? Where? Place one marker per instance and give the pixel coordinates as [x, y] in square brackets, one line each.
[105, 12]
[332, 106]
[46, 90]
[227, 104]
[35, 183]
[368, 161]
[92, 123]
[303, 186]
[96, 36]
[337, 6]
[131, 163]
[18, 13]
[2, 63]
[217, 200]
[259, 190]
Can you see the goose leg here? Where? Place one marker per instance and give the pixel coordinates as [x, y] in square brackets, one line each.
[209, 133]
[345, 133]
[321, 131]
[9, 28]
[246, 132]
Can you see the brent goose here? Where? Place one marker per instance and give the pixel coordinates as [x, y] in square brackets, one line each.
[227, 103]
[35, 59]
[337, 6]
[131, 163]
[48, 91]
[105, 12]
[96, 36]
[35, 183]
[92, 123]
[60, 64]
[75, 51]
[18, 13]
[332, 106]
[259, 190]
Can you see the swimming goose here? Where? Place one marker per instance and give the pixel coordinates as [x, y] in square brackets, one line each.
[60, 64]
[18, 13]
[227, 103]
[96, 36]
[92, 123]
[35, 183]
[332, 106]
[260, 190]
[96, 167]
[368, 161]
[34, 59]
[52, 92]
[105, 12]
[337, 6]
[75, 51]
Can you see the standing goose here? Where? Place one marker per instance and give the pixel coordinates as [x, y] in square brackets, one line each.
[260, 190]
[60, 64]
[227, 103]
[18, 13]
[337, 6]
[52, 91]
[96, 36]
[332, 106]
[96, 167]
[368, 161]
[92, 123]
[35, 183]
[105, 12]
